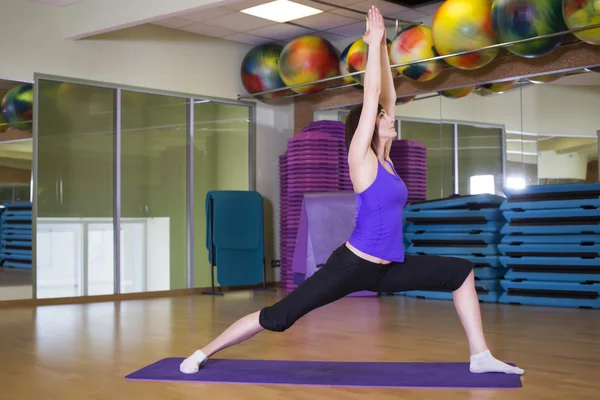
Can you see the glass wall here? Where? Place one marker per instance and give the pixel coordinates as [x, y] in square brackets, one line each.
[438, 138]
[114, 178]
[480, 159]
[153, 192]
[75, 159]
[521, 160]
[221, 151]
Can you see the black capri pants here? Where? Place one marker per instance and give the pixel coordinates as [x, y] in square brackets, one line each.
[345, 273]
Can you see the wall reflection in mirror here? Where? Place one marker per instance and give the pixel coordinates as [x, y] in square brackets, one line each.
[535, 130]
[16, 150]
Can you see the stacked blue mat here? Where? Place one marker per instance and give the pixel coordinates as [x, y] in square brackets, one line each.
[15, 235]
[461, 226]
[552, 246]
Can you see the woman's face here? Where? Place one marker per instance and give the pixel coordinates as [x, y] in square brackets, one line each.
[385, 125]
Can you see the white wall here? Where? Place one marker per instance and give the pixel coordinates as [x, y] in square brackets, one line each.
[552, 165]
[146, 56]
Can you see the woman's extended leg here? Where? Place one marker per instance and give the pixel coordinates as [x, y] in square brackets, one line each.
[241, 330]
[466, 303]
[456, 275]
[344, 273]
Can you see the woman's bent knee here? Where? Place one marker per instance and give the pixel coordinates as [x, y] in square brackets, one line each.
[461, 270]
[275, 320]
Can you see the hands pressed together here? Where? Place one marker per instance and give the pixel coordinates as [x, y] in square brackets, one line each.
[375, 33]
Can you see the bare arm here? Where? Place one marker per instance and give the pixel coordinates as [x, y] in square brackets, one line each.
[387, 97]
[361, 141]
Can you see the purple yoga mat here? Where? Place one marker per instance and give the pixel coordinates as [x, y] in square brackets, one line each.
[318, 373]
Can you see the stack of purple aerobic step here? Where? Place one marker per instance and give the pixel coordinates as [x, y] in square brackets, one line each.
[336, 129]
[410, 160]
[284, 233]
[315, 161]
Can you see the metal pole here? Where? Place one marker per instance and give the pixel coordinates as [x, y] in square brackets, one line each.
[441, 151]
[190, 193]
[252, 139]
[34, 185]
[456, 184]
[117, 195]
[85, 280]
[491, 47]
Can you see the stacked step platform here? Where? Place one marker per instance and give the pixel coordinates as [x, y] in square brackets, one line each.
[316, 160]
[551, 246]
[15, 236]
[410, 161]
[464, 227]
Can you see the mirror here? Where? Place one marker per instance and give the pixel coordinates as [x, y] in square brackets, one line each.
[16, 150]
[515, 133]
[560, 128]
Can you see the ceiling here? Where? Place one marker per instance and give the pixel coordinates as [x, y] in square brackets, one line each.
[334, 23]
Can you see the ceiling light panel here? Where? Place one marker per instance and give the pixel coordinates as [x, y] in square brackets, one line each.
[281, 11]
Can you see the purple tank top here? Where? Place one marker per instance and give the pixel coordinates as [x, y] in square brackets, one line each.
[378, 226]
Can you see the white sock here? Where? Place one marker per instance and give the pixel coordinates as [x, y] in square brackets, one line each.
[485, 362]
[192, 364]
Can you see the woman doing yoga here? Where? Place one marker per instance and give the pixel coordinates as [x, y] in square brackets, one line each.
[373, 258]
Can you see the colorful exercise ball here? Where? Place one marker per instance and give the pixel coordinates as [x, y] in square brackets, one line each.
[17, 107]
[357, 59]
[458, 92]
[395, 72]
[306, 59]
[498, 87]
[344, 65]
[582, 13]
[464, 25]
[523, 19]
[260, 71]
[412, 44]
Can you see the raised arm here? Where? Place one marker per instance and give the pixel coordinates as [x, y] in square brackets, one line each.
[387, 98]
[372, 88]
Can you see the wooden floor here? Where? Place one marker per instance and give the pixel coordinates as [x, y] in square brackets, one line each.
[84, 351]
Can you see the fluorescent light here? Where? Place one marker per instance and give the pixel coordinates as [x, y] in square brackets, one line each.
[281, 11]
[515, 182]
[480, 184]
